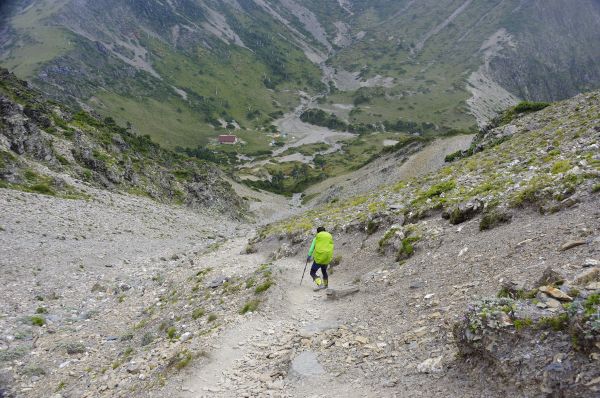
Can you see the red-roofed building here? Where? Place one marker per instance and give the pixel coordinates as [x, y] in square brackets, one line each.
[228, 139]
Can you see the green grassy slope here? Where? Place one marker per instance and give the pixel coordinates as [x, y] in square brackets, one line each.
[222, 81]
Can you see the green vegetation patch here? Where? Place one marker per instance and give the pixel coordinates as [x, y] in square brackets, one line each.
[37, 320]
[250, 306]
[524, 107]
[562, 166]
[198, 313]
[212, 317]
[493, 218]
[182, 359]
[263, 287]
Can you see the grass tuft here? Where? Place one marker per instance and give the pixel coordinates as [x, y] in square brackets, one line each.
[263, 287]
[250, 306]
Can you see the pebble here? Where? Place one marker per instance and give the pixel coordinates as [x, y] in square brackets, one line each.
[431, 365]
[361, 340]
[556, 293]
[306, 364]
[64, 364]
[133, 368]
[593, 286]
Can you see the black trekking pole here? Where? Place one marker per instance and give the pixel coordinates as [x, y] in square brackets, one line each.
[305, 265]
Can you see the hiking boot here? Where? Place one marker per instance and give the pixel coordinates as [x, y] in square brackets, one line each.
[320, 287]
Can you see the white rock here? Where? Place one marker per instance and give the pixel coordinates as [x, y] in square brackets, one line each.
[431, 365]
[64, 364]
[185, 337]
[590, 262]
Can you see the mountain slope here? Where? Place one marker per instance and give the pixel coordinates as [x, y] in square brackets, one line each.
[166, 66]
[442, 52]
[481, 279]
[544, 160]
[121, 296]
[50, 149]
[180, 70]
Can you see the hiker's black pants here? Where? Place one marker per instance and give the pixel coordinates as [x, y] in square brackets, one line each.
[315, 267]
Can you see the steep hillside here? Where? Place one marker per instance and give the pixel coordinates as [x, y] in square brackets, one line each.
[50, 149]
[482, 279]
[122, 297]
[440, 54]
[172, 69]
[180, 70]
[544, 160]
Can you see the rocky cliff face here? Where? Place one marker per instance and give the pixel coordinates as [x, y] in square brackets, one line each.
[561, 62]
[50, 149]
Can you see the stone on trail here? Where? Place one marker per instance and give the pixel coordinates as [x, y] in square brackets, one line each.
[593, 286]
[218, 281]
[588, 276]
[306, 365]
[572, 243]
[133, 368]
[514, 287]
[549, 277]
[334, 294]
[431, 365]
[590, 262]
[185, 337]
[361, 340]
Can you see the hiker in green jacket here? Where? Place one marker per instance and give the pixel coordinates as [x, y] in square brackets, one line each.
[321, 250]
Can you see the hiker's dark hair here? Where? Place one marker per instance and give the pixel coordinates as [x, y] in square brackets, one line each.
[320, 229]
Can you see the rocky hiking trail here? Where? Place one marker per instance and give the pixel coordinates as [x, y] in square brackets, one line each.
[254, 356]
[239, 367]
[106, 280]
[394, 338]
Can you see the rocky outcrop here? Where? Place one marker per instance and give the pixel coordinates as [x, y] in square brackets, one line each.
[21, 133]
[464, 211]
[544, 345]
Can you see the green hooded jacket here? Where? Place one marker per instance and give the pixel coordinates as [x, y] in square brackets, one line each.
[321, 248]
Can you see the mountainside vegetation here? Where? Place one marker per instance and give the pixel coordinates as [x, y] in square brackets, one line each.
[181, 71]
[45, 145]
